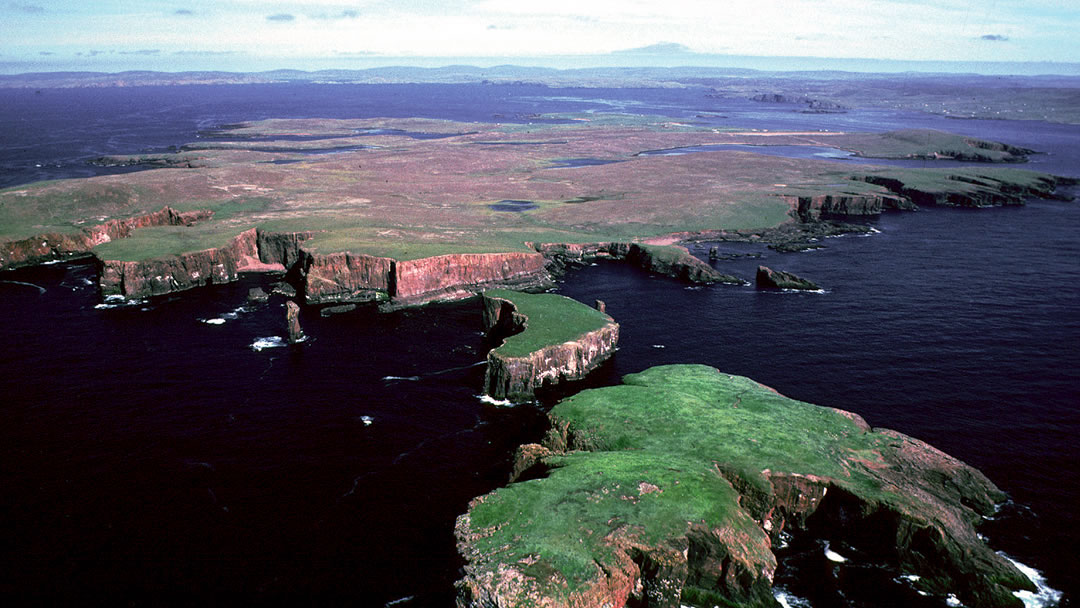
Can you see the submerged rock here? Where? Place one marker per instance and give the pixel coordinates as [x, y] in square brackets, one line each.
[778, 279]
[674, 487]
[256, 294]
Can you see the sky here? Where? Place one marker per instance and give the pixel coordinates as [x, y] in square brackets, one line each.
[252, 35]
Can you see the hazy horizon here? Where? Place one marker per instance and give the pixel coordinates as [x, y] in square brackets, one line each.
[1035, 37]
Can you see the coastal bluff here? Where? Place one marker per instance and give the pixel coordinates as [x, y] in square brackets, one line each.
[674, 488]
[547, 339]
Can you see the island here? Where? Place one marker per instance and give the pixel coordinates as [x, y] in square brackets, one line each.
[675, 487]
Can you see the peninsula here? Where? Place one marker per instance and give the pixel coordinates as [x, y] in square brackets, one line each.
[675, 487]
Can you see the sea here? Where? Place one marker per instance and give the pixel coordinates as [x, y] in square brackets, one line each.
[174, 449]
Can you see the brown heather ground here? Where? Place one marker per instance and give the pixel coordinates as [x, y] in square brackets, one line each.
[411, 198]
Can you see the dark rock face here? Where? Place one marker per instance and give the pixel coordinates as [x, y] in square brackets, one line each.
[292, 322]
[777, 279]
[675, 262]
[811, 208]
[982, 191]
[256, 294]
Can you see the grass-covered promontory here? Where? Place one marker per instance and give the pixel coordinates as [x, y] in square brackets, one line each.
[673, 486]
[551, 320]
[548, 339]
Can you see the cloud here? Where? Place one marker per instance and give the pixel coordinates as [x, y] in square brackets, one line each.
[204, 53]
[657, 49]
[345, 14]
[281, 17]
[994, 37]
[31, 9]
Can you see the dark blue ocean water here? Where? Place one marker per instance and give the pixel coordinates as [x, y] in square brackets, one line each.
[146, 451]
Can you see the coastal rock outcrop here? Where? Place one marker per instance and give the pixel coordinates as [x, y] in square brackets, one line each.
[549, 339]
[778, 279]
[954, 189]
[673, 488]
[668, 260]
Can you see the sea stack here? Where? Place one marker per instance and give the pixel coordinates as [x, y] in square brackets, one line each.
[292, 321]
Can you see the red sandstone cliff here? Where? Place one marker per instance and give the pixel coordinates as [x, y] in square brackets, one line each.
[176, 273]
[54, 246]
[456, 275]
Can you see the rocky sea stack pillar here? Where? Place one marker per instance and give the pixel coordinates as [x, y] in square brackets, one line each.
[292, 322]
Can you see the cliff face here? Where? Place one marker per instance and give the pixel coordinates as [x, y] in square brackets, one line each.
[810, 208]
[519, 376]
[176, 273]
[345, 277]
[281, 247]
[59, 246]
[460, 274]
[673, 488]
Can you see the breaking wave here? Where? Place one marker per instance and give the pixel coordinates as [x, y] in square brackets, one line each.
[270, 342]
[1043, 596]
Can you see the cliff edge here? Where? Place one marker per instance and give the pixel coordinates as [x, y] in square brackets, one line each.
[673, 488]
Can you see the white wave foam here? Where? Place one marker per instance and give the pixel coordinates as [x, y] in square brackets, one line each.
[269, 342]
[1043, 596]
[785, 290]
[497, 402]
[367, 420]
[401, 600]
[952, 600]
[658, 346]
[116, 301]
[787, 600]
[217, 321]
[784, 540]
[833, 556]
[410, 378]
